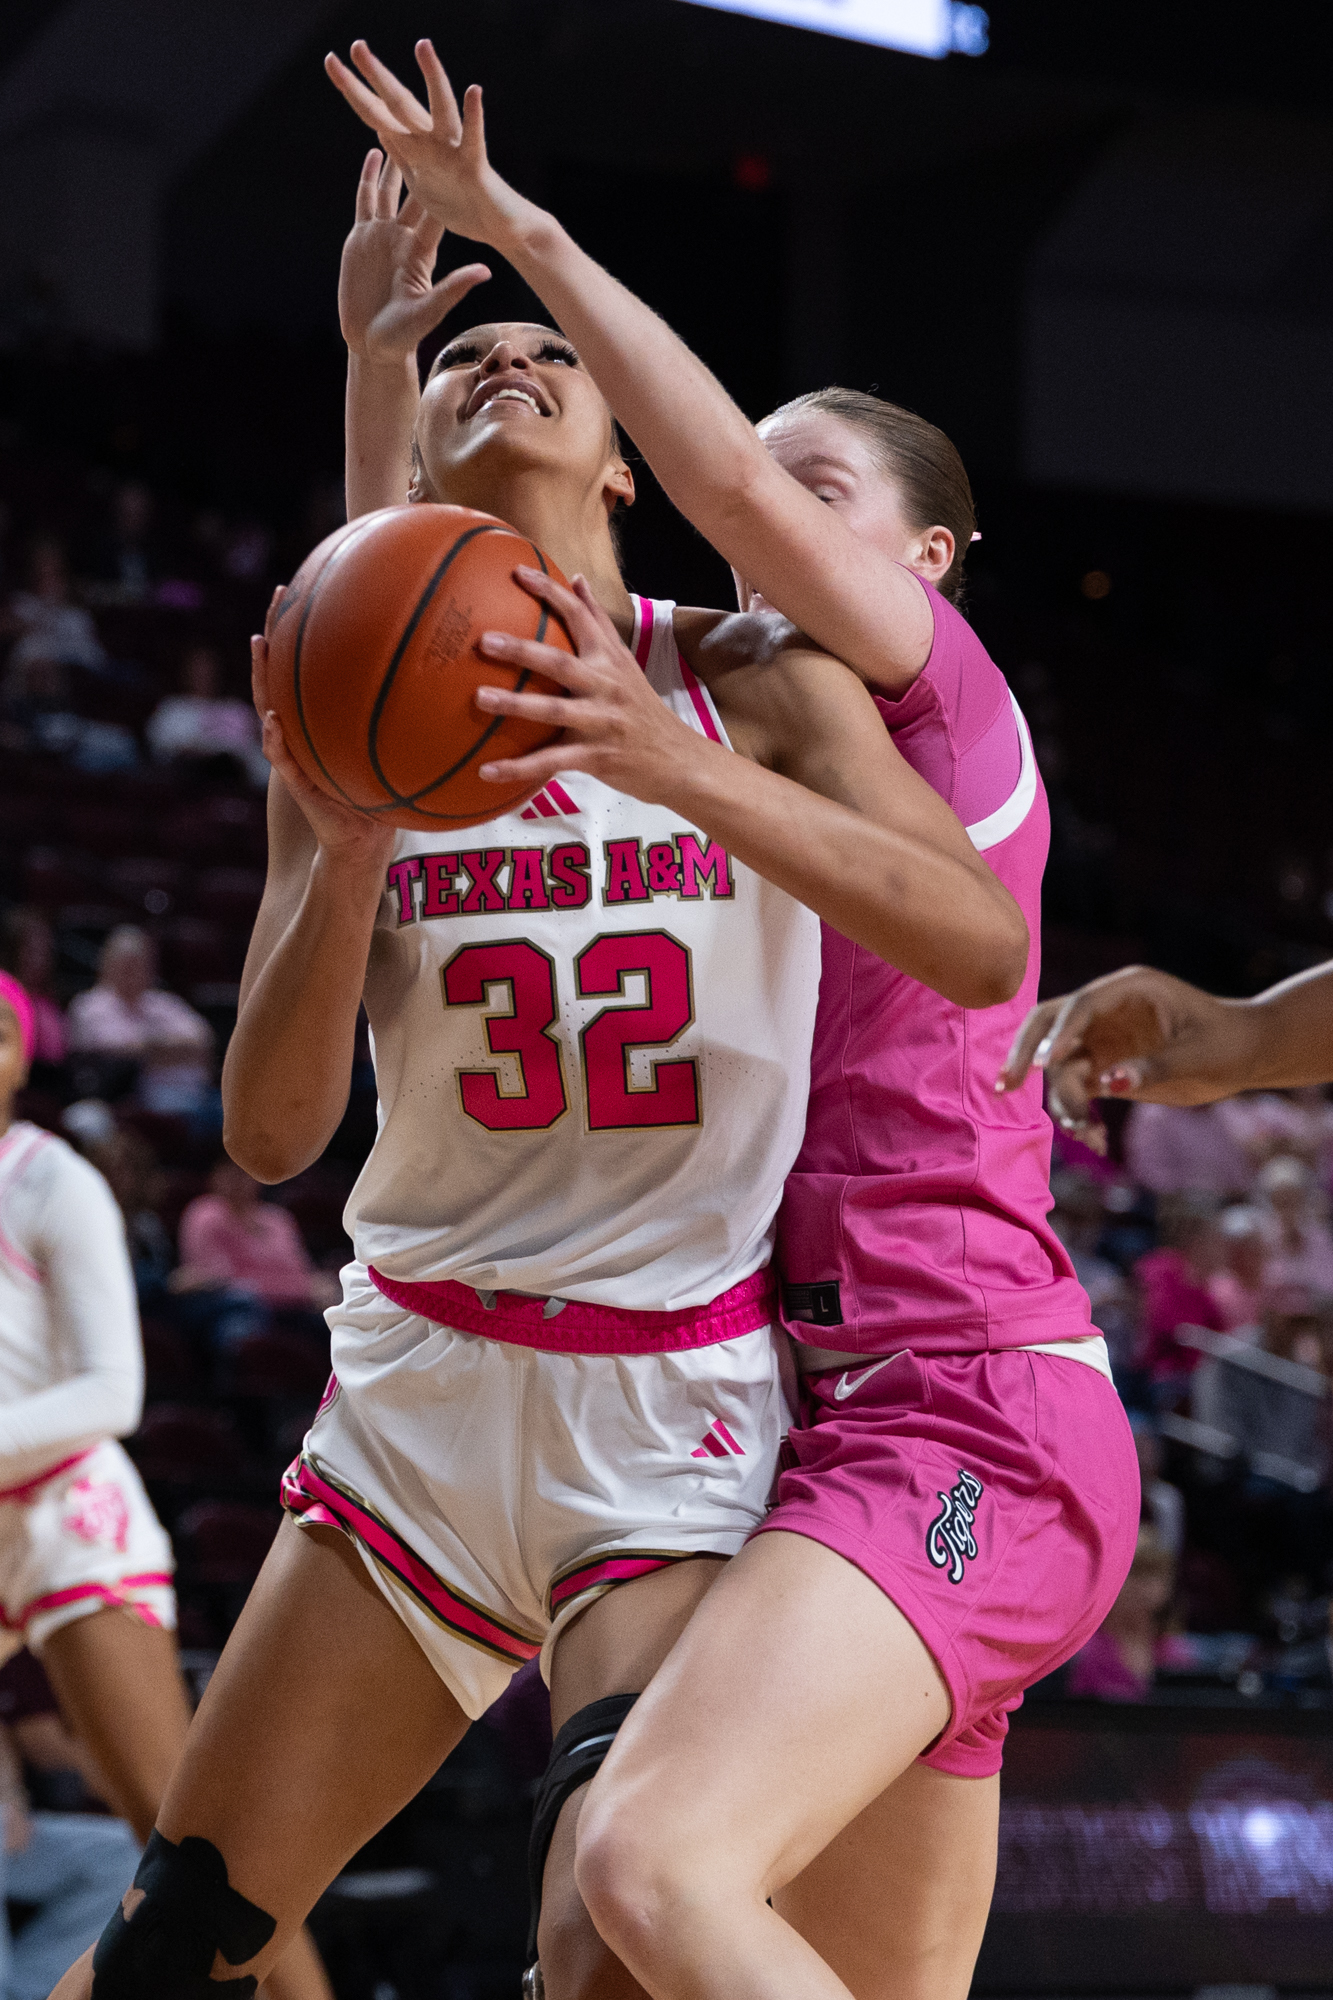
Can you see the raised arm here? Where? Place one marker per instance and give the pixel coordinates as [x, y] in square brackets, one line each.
[387, 304]
[1145, 1035]
[289, 1063]
[851, 598]
[821, 803]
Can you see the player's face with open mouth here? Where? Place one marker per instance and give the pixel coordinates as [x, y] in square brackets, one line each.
[515, 390]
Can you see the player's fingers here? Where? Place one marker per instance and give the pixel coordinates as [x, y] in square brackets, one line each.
[1019, 1059]
[390, 188]
[404, 106]
[549, 708]
[369, 108]
[1067, 1097]
[571, 610]
[474, 127]
[427, 230]
[599, 614]
[259, 673]
[368, 185]
[439, 91]
[531, 771]
[451, 291]
[566, 668]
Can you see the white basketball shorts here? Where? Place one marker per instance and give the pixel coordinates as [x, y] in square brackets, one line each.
[79, 1539]
[494, 1491]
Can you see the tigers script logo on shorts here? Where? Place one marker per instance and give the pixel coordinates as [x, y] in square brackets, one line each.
[950, 1543]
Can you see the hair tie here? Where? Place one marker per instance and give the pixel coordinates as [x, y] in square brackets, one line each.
[17, 997]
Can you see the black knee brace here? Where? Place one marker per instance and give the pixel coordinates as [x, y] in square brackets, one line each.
[187, 1914]
[576, 1756]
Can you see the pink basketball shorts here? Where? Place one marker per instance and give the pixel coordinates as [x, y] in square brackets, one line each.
[994, 1498]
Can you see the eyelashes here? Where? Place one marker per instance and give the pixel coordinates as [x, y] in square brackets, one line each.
[467, 351]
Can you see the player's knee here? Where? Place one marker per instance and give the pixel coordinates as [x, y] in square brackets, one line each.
[637, 1884]
[179, 1914]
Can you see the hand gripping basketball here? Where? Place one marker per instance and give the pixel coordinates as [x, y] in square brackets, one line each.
[373, 662]
[614, 725]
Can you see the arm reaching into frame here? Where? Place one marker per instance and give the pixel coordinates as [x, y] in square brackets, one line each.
[853, 600]
[1144, 1035]
[819, 801]
[388, 302]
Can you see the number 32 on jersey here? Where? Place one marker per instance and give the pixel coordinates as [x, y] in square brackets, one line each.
[613, 1100]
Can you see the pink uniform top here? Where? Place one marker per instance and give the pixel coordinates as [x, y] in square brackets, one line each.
[916, 1213]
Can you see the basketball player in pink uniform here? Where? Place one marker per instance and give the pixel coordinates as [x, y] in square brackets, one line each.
[804, 1802]
[557, 1395]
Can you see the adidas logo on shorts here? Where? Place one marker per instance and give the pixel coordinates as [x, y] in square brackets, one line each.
[718, 1443]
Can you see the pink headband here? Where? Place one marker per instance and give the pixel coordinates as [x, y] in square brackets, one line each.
[16, 996]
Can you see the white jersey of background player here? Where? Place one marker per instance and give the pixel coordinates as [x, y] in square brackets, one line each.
[498, 1462]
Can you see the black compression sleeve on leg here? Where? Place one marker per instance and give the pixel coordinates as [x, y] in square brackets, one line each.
[576, 1756]
[187, 1913]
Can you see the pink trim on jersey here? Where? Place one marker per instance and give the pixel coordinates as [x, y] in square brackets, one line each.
[703, 707]
[332, 1507]
[543, 806]
[604, 1570]
[115, 1595]
[31, 1486]
[643, 630]
[584, 1329]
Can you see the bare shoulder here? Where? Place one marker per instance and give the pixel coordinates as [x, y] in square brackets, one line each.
[774, 688]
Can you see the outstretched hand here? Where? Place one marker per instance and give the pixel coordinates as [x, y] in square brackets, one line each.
[615, 727]
[439, 150]
[387, 302]
[1136, 1034]
[343, 833]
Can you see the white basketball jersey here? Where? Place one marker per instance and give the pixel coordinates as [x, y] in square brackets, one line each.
[591, 1030]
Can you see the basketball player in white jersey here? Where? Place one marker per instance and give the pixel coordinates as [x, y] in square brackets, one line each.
[556, 1399]
[85, 1566]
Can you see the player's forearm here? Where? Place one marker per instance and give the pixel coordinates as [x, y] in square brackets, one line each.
[289, 1064]
[942, 920]
[1282, 1038]
[381, 412]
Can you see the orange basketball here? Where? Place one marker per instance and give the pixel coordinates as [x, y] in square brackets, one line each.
[373, 663]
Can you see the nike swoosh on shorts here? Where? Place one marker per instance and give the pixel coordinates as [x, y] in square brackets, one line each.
[847, 1385]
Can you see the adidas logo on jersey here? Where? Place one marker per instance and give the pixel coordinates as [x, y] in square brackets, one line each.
[550, 802]
[718, 1443]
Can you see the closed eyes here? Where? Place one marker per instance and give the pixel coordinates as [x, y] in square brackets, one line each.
[465, 352]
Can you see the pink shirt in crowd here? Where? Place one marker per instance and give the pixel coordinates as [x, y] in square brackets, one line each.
[1173, 1296]
[916, 1213]
[1191, 1149]
[259, 1252]
[100, 1020]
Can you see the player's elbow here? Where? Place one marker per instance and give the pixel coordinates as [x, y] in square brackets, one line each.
[999, 961]
[266, 1152]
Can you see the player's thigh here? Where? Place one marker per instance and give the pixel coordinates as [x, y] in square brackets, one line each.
[796, 1694]
[615, 1647]
[119, 1687]
[323, 1719]
[897, 1902]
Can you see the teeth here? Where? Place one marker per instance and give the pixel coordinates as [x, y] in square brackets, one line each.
[516, 396]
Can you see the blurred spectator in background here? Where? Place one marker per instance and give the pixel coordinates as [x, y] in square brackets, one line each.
[126, 1016]
[1176, 1292]
[200, 722]
[1189, 1149]
[1078, 1218]
[1119, 1662]
[128, 1164]
[1240, 1286]
[1300, 1244]
[50, 627]
[1296, 1122]
[124, 560]
[247, 1253]
[30, 954]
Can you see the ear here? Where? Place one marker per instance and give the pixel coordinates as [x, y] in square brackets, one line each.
[933, 554]
[618, 485]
